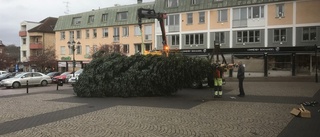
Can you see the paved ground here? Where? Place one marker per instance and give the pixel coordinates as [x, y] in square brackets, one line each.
[264, 112]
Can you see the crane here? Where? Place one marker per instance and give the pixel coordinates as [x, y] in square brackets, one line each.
[151, 14]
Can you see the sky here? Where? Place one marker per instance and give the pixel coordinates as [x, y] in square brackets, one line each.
[13, 12]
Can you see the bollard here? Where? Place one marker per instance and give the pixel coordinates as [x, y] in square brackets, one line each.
[27, 86]
[57, 85]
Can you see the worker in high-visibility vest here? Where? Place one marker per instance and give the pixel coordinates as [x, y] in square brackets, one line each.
[218, 75]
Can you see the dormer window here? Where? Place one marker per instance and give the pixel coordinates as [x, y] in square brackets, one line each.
[172, 3]
[195, 2]
[91, 19]
[104, 17]
[121, 16]
[76, 21]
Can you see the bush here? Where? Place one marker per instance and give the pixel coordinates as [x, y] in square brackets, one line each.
[115, 75]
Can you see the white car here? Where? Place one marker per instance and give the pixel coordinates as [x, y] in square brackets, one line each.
[73, 79]
[3, 72]
[32, 78]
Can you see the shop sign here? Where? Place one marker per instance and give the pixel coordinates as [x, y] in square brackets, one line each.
[65, 58]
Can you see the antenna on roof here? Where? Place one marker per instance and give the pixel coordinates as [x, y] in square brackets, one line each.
[67, 7]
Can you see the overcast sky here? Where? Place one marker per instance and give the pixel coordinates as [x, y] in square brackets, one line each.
[13, 12]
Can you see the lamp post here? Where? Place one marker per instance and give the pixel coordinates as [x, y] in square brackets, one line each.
[72, 46]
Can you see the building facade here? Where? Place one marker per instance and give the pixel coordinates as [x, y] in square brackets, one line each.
[246, 29]
[116, 26]
[35, 37]
[272, 37]
[25, 40]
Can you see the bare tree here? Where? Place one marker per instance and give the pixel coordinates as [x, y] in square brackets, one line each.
[45, 60]
[9, 56]
[106, 49]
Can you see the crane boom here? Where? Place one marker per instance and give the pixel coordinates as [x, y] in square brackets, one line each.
[151, 14]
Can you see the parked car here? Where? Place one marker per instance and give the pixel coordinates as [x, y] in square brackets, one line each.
[33, 78]
[53, 74]
[5, 76]
[75, 77]
[62, 76]
[3, 72]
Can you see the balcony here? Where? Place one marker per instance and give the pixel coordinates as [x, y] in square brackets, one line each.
[22, 33]
[240, 23]
[36, 45]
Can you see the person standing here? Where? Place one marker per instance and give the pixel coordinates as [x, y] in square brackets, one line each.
[218, 75]
[240, 76]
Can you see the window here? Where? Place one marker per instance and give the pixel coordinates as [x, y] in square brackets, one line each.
[194, 39]
[125, 31]
[62, 50]
[116, 34]
[173, 20]
[175, 40]
[137, 48]
[121, 16]
[87, 49]
[148, 32]
[189, 18]
[248, 36]
[220, 37]
[71, 35]
[280, 10]
[24, 53]
[116, 48]
[125, 48]
[194, 2]
[87, 33]
[240, 17]
[172, 3]
[24, 40]
[36, 75]
[105, 32]
[95, 48]
[94, 33]
[147, 47]
[62, 35]
[240, 14]
[76, 21]
[309, 34]
[91, 19]
[223, 15]
[79, 49]
[256, 12]
[279, 35]
[137, 31]
[201, 17]
[104, 17]
[27, 75]
[78, 34]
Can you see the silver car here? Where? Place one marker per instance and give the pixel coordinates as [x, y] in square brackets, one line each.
[32, 78]
[75, 78]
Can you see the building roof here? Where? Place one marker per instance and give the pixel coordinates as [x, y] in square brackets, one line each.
[47, 25]
[65, 22]
[187, 6]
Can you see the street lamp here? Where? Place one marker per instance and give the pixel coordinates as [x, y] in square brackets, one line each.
[72, 46]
